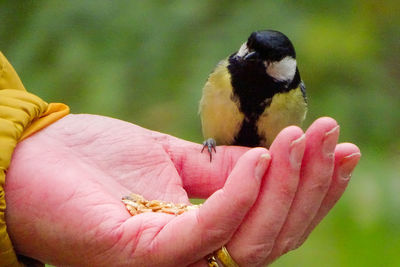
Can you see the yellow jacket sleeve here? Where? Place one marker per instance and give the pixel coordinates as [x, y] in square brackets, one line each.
[21, 115]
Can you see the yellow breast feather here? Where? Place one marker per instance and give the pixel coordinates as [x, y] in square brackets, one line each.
[286, 109]
[221, 118]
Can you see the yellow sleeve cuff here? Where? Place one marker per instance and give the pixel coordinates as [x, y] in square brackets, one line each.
[54, 112]
[21, 115]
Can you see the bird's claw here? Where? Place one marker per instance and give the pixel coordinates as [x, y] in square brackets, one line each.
[211, 145]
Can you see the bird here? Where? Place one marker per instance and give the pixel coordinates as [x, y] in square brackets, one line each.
[253, 94]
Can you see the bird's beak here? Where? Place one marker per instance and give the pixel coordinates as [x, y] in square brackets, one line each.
[252, 56]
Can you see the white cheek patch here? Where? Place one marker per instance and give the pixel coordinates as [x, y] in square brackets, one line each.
[243, 50]
[283, 70]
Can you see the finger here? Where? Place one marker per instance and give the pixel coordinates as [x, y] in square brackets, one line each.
[316, 175]
[346, 159]
[255, 237]
[200, 177]
[211, 226]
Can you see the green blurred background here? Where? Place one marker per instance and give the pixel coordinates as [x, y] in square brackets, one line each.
[146, 62]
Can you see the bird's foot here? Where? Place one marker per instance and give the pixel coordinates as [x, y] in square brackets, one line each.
[211, 145]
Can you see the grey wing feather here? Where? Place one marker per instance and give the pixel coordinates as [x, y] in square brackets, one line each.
[303, 90]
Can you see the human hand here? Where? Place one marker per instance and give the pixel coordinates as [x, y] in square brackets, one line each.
[66, 182]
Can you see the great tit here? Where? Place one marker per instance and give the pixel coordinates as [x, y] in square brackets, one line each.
[253, 94]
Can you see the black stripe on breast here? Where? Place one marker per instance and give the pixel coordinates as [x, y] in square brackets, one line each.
[253, 89]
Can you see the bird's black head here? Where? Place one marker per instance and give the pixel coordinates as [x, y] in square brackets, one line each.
[270, 45]
[270, 50]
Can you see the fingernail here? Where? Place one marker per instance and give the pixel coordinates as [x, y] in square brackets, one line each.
[297, 151]
[330, 141]
[262, 166]
[348, 164]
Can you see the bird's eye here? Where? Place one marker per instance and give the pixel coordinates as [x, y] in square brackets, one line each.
[250, 42]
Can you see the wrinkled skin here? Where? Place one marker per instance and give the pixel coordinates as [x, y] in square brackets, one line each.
[65, 183]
